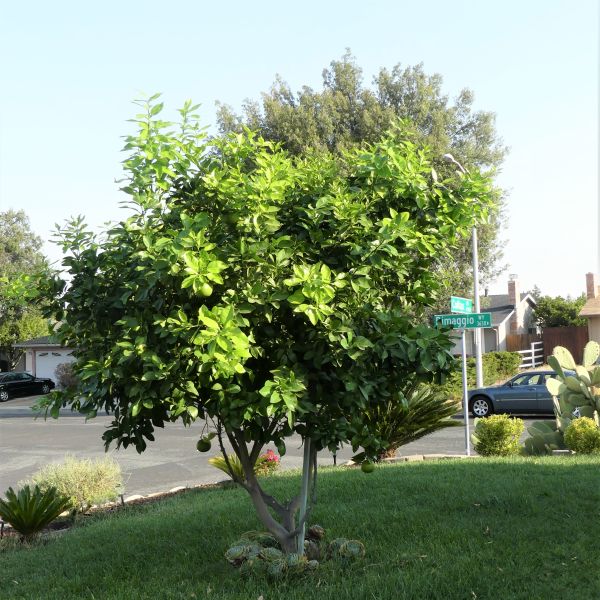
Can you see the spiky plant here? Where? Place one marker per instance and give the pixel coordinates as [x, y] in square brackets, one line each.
[31, 510]
[412, 413]
[234, 469]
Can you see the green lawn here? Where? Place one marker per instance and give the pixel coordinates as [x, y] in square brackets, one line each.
[494, 529]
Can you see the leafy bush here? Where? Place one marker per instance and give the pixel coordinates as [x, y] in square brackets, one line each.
[502, 364]
[65, 377]
[267, 463]
[409, 415]
[583, 436]
[30, 510]
[497, 435]
[84, 482]
[497, 366]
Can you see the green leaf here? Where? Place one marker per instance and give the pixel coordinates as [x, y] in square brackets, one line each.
[191, 388]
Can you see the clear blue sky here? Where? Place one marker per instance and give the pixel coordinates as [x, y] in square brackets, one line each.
[71, 69]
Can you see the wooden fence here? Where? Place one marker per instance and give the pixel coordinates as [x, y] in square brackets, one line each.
[521, 341]
[572, 338]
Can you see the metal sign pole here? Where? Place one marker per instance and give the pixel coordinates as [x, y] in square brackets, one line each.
[465, 394]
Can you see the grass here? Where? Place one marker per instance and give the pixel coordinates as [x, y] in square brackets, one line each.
[519, 528]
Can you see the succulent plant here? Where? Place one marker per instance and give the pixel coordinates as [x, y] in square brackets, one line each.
[236, 554]
[270, 554]
[295, 563]
[266, 540]
[276, 569]
[312, 565]
[576, 394]
[352, 549]
[333, 550]
[312, 550]
[315, 532]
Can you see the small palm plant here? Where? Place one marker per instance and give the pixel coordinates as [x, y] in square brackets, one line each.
[30, 510]
[414, 412]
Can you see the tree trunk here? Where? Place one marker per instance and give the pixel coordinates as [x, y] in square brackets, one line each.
[287, 529]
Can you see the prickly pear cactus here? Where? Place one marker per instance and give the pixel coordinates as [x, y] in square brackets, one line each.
[576, 393]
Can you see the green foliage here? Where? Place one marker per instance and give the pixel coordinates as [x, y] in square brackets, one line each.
[266, 464]
[497, 366]
[410, 414]
[346, 113]
[544, 438]
[497, 435]
[319, 269]
[20, 257]
[583, 436]
[576, 394]
[234, 469]
[31, 510]
[84, 482]
[559, 312]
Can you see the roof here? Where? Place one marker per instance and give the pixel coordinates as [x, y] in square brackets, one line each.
[591, 308]
[46, 340]
[499, 315]
[502, 301]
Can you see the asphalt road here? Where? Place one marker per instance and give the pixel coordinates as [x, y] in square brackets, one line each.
[26, 444]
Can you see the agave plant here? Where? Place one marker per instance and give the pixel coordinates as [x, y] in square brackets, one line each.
[31, 510]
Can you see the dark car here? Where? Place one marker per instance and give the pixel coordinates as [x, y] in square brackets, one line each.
[524, 393]
[22, 384]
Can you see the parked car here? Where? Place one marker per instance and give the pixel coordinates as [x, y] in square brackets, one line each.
[22, 384]
[524, 393]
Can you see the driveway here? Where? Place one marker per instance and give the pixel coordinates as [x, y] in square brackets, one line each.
[26, 444]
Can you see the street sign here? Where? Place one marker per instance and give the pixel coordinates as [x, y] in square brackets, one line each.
[463, 306]
[471, 321]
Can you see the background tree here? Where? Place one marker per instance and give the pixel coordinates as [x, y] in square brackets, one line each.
[268, 294]
[20, 255]
[559, 312]
[345, 113]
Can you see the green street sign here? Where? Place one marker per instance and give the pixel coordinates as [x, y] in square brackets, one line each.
[464, 306]
[471, 321]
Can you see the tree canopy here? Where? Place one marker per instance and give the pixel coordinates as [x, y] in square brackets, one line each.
[559, 312]
[346, 113]
[20, 255]
[266, 293]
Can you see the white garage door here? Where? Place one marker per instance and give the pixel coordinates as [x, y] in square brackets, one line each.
[46, 361]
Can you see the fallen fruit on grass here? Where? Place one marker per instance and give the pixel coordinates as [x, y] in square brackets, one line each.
[367, 466]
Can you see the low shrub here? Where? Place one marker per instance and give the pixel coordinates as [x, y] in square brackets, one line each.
[32, 509]
[83, 481]
[497, 435]
[267, 463]
[583, 436]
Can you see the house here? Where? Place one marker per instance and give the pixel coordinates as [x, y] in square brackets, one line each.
[43, 355]
[591, 309]
[512, 313]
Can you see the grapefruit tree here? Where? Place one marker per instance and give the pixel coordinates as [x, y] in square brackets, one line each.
[265, 294]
